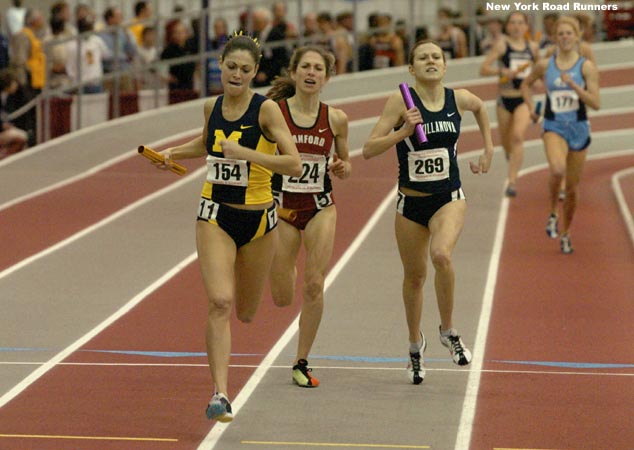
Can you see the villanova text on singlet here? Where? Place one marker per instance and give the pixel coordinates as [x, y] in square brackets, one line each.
[562, 102]
[314, 144]
[432, 167]
[515, 60]
[232, 180]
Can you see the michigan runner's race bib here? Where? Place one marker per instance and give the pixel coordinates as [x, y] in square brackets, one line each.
[564, 101]
[207, 209]
[428, 165]
[232, 172]
[312, 177]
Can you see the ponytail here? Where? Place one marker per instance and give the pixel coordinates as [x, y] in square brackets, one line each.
[281, 88]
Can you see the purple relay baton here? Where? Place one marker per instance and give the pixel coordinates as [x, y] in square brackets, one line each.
[409, 103]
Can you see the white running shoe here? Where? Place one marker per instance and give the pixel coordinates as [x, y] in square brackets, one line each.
[551, 226]
[460, 354]
[566, 245]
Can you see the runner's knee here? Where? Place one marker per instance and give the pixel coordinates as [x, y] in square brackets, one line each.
[441, 259]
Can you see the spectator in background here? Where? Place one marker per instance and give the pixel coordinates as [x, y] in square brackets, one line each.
[27, 52]
[181, 75]
[548, 34]
[61, 11]
[147, 53]
[452, 39]
[92, 51]
[366, 52]
[387, 47]
[281, 25]
[494, 32]
[4, 49]
[14, 18]
[334, 41]
[122, 50]
[12, 139]
[311, 27]
[28, 61]
[58, 54]
[345, 25]
[274, 58]
[193, 30]
[221, 33]
[82, 11]
[221, 36]
[142, 12]
[400, 29]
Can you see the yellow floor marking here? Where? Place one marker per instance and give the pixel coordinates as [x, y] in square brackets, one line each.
[326, 444]
[88, 438]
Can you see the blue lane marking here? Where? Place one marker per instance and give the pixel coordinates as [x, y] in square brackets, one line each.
[359, 359]
[568, 365]
[20, 349]
[128, 352]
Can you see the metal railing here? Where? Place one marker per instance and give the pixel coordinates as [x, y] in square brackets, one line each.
[410, 9]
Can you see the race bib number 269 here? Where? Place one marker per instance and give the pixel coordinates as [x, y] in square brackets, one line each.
[428, 165]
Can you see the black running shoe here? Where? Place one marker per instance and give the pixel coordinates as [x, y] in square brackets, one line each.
[302, 375]
[416, 365]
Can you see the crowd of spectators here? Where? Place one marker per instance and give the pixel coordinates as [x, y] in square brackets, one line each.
[85, 51]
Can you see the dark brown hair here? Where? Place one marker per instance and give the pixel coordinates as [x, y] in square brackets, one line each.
[410, 58]
[241, 41]
[284, 86]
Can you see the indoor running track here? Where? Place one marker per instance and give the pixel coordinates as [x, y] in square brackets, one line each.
[556, 355]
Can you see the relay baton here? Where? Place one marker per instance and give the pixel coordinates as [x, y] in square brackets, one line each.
[409, 103]
[504, 79]
[156, 157]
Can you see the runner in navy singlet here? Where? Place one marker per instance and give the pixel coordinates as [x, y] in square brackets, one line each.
[431, 204]
[511, 60]
[245, 139]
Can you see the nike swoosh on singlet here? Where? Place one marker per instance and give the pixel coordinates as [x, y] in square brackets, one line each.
[244, 127]
[449, 115]
[322, 130]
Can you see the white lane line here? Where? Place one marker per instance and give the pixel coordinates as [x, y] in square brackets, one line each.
[191, 133]
[218, 429]
[448, 369]
[465, 427]
[69, 240]
[129, 208]
[92, 170]
[36, 374]
[622, 201]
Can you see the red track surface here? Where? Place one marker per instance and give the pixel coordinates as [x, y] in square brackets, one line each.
[165, 402]
[562, 308]
[105, 400]
[73, 207]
